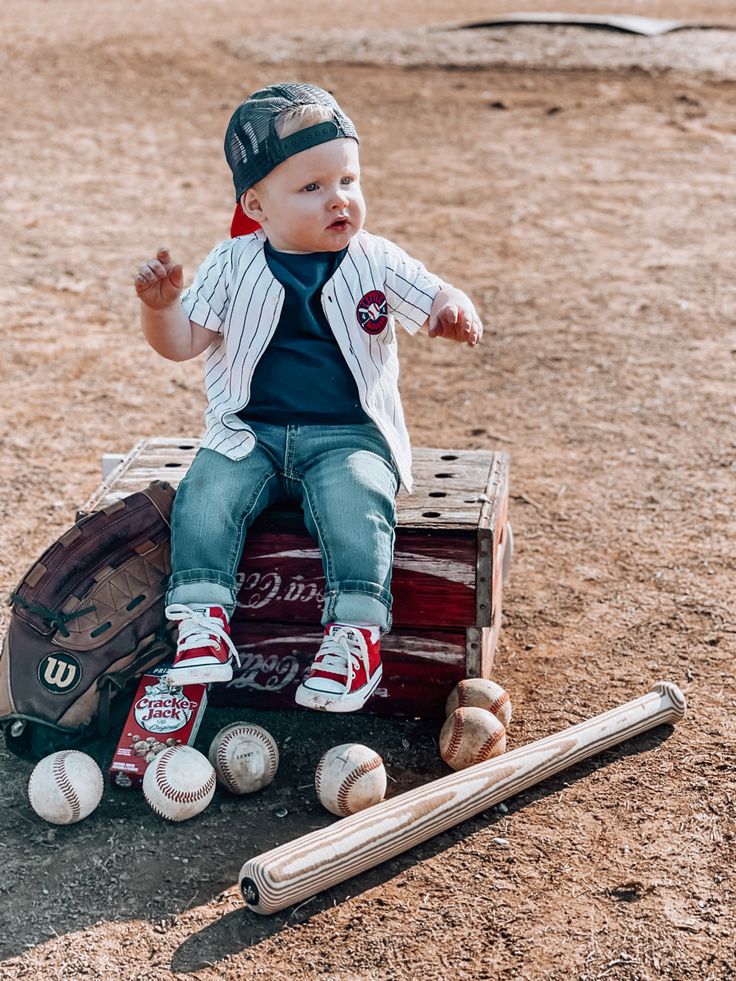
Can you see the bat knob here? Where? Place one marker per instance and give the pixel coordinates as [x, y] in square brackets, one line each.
[677, 700]
[250, 891]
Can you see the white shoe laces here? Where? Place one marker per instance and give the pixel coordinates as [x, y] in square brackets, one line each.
[341, 652]
[197, 629]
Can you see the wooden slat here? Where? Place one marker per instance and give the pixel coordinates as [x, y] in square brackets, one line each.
[420, 668]
[281, 576]
[480, 648]
[496, 491]
[466, 481]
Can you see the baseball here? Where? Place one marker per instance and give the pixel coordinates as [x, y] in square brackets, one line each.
[471, 735]
[480, 693]
[350, 778]
[65, 787]
[245, 757]
[179, 783]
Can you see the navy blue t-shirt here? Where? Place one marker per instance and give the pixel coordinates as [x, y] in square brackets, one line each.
[302, 377]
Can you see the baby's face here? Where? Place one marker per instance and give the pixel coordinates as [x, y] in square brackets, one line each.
[312, 202]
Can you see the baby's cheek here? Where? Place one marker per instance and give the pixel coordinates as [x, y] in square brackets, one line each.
[358, 215]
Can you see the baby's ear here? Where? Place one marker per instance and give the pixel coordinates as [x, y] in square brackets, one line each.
[251, 204]
[241, 224]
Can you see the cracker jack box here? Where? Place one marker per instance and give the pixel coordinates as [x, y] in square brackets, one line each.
[160, 716]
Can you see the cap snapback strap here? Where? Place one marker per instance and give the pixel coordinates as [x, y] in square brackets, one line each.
[303, 139]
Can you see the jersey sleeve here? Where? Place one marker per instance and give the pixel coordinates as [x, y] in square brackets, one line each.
[410, 288]
[206, 300]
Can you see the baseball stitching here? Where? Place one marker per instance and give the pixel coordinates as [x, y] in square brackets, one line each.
[489, 744]
[456, 736]
[224, 766]
[157, 810]
[349, 782]
[499, 703]
[318, 777]
[180, 796]
[61, 777]
[462, 698]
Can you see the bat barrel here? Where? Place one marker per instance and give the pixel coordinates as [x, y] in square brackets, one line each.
[299, 869]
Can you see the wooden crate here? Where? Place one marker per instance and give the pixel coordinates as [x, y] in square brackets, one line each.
[451, 537]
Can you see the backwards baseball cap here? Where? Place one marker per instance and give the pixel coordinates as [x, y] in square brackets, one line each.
[253, 148]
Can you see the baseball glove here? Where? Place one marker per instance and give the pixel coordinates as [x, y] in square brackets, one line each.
[87, 621]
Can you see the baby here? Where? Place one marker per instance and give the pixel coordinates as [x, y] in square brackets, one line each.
[297, 318]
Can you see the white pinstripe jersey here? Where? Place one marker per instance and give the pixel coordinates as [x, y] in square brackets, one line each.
[235, 295]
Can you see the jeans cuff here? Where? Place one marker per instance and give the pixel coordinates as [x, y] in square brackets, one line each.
[358, 602]
[183, 588]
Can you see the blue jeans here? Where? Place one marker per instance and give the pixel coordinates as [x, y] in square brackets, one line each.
[346, 483]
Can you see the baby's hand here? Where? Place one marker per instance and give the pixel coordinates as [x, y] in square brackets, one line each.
[159, 281]
[454, 316]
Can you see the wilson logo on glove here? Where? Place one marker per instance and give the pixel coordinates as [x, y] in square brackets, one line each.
[59, 673]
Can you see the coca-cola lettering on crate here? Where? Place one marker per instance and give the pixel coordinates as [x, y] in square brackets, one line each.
[160, 716]
[269, 672]
[419, 668]
[258, 590]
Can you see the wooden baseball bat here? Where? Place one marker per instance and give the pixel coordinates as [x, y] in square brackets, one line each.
[316, 861]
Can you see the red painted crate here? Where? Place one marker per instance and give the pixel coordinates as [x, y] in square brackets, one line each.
[419, 668]
[450, 542]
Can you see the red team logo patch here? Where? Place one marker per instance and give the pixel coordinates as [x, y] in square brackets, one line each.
[372, 311]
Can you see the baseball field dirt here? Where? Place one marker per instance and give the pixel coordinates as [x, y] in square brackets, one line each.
[579, 184]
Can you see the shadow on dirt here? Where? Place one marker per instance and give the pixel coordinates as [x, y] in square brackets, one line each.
[240, 928]
[123, 863]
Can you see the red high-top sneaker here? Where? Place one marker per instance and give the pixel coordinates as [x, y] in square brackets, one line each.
[346, 670]
[204, 651]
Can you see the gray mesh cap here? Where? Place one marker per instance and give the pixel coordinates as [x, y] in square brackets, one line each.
[252, 146]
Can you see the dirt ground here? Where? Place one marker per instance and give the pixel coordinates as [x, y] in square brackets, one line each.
[580, 186]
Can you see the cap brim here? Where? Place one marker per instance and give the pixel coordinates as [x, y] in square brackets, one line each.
[242, 224]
